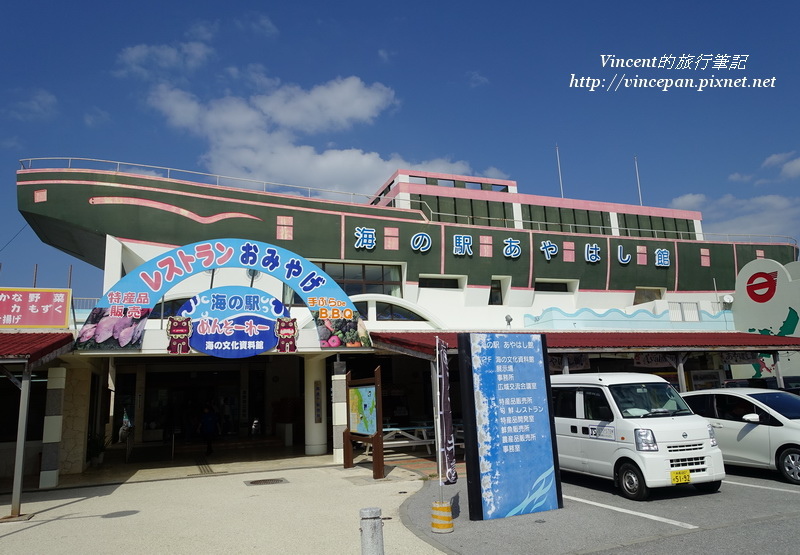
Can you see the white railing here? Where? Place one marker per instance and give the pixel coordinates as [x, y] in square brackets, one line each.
[196, 177]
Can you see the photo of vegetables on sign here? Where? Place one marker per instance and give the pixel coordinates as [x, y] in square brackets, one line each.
[342, 332]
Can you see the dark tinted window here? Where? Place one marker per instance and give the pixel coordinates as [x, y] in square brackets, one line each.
[731, 407]
[788, 404]
[701, 404]
[564, 402]
[439, 283]
[595, 405]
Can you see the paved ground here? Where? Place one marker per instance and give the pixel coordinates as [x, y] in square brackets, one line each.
[288, 505]
[279, 502]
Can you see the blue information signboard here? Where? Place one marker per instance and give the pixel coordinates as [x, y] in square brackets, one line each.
[514, 442]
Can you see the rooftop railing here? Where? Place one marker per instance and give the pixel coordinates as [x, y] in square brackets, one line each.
[193, 176]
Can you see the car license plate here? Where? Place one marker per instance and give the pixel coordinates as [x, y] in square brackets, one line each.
[680, 476]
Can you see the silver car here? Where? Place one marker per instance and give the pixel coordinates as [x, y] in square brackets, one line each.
[754, 427]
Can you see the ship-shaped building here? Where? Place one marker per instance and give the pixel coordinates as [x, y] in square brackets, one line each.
[343, 281]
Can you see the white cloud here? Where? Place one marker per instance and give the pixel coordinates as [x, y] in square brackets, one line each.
[95, 116]
[337, 104]
[740, 177]
[255, 137]
[386, 55]
[258, 23]
[495, 173]
[151, 61]
[691, 201]
[183, 110]
[775, 215]
[39, 104]
[791, 169]
[476, 79]
[203, 31]
[777, 159]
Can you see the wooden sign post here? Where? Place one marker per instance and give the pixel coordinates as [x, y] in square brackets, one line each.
[365, 420]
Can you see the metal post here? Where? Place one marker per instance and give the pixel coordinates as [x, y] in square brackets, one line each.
[371, 531]
[19, 463]
[777, 370]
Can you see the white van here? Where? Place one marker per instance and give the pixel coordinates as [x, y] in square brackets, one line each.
[635, 429]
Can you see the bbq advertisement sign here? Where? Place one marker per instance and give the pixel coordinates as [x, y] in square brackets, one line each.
[119, 319]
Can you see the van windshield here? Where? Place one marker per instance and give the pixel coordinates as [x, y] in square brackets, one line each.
[648, 400]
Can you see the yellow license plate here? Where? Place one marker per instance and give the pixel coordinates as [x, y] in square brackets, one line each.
[680, 476]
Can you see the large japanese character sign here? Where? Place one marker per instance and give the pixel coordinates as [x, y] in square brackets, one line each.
[233, 321]
[118, 320]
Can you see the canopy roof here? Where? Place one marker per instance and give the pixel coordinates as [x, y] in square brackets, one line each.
[33, 348]
[422, 344]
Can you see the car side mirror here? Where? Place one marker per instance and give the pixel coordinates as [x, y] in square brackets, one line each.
[753, 418]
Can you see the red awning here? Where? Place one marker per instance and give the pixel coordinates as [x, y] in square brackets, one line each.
[33, 347]
[422, 343]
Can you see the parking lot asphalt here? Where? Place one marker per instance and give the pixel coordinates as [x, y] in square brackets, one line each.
[305, 504]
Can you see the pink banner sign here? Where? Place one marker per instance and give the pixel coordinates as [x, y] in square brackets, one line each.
[34, 308]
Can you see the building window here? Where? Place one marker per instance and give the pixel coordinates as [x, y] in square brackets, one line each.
[569, 251]
[551, 286]
[391, 238]
[705, 257]
[647, 294]
[167, 309]
[485, 249]
[496, 292]
[389, 311]
[439, 283]
[759, 253]
[285, 228]
[363, 309]
[356, 279]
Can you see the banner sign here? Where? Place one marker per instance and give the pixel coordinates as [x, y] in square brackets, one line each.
[742, 357]
[129, 302]
[447, 442]
[575, 361]
[514, 427]
[654, 360]
[233, 321]
[34, 308]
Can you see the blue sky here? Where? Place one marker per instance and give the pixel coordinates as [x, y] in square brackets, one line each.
[339, 95]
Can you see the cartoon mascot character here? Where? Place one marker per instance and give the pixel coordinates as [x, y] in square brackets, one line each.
[286, 331]
[179, 328]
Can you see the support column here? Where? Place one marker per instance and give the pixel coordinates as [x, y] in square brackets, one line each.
[244, 401]
[315, 407]
[138, 418]
[53, 426]
[776, 369]
[339, 410]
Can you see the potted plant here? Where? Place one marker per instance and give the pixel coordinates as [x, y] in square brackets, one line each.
[96, 447]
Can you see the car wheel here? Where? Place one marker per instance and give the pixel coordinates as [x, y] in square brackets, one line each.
[789, 464]
[631, 482]
[708, 487]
